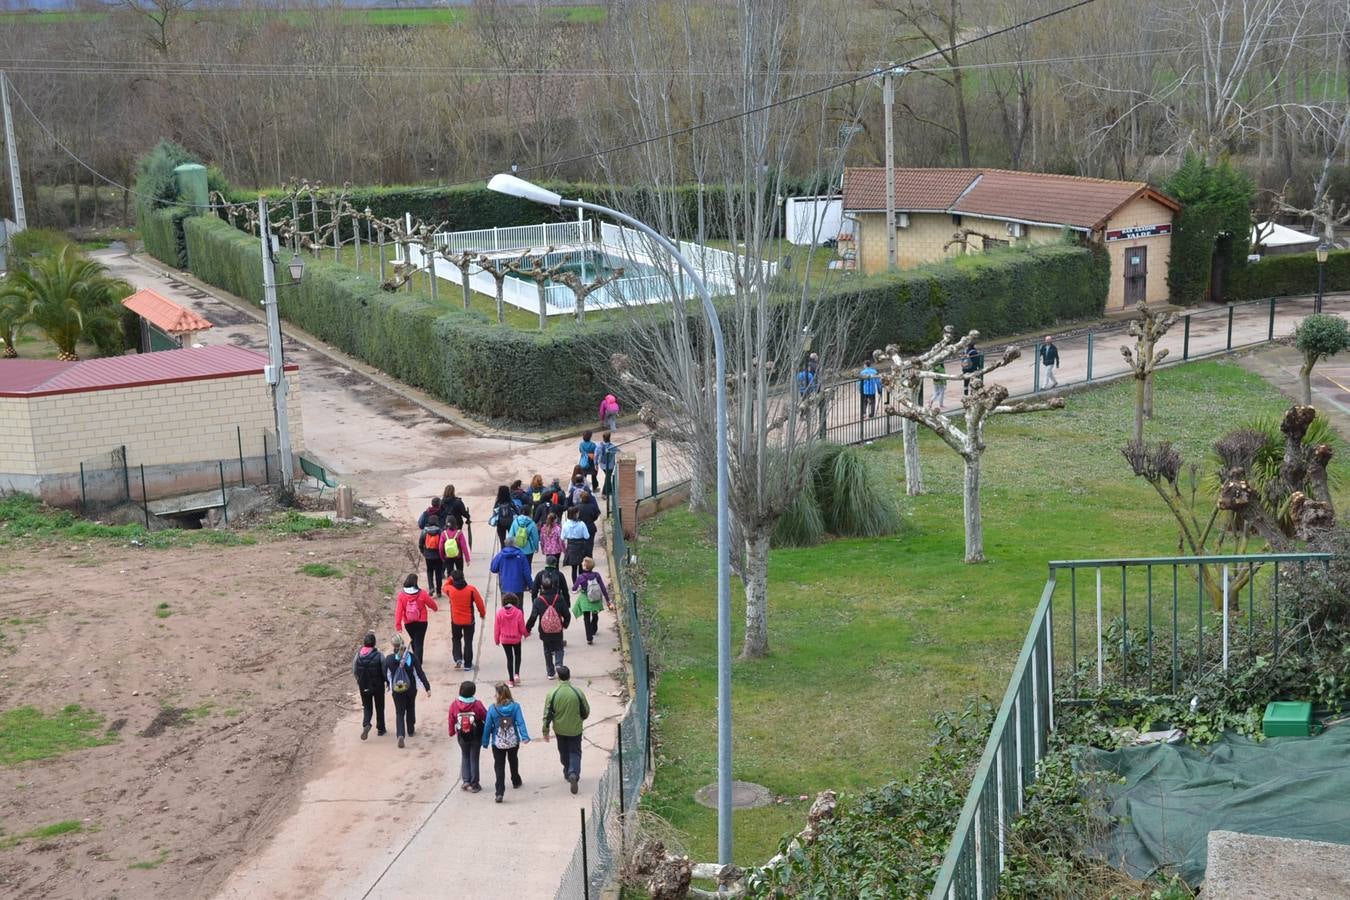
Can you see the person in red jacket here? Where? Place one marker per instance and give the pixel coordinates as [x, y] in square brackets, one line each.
[463, 598]
[507, 632]
[410, 613]
[467, 717]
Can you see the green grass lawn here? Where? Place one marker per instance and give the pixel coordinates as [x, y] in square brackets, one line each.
[869, 638]
[26, 734]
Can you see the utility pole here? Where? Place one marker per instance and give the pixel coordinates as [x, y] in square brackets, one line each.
[16, 186]
[276, 366]
[888, 98]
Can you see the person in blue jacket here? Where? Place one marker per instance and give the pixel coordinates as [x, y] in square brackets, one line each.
[869, 385]
[529, 542]
[512, 567]
[504, 731]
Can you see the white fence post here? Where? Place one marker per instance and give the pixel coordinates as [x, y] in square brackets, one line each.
[1225, 617]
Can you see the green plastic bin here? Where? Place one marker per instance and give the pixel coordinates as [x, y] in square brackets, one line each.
[1287, 719]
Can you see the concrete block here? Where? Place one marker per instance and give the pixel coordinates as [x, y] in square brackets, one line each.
[1256, 867]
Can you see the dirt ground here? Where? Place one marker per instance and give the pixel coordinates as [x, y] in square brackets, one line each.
[220, 707]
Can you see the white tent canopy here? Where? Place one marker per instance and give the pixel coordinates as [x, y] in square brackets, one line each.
[1277, 235]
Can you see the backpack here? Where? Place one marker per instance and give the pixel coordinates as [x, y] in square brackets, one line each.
[522, 539]
[431, 539]
[451, 546]
[412, 608]
[611, 451]
[466, 721]
[550, 622]
[401, 682]
[503, 513]
[369, 670]
[506, 736]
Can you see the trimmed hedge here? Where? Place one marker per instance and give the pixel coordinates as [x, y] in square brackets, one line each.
[162, 234]
[1288, 274]
[558, 375]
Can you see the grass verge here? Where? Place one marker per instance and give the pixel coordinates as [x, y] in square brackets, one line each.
[27, 734]
[56, 829]
[871, 637]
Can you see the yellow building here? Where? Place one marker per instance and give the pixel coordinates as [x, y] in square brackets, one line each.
[948, 212]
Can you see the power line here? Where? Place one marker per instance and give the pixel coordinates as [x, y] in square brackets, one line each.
[674, 133]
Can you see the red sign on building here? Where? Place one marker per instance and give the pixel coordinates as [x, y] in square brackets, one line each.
[1138, 231]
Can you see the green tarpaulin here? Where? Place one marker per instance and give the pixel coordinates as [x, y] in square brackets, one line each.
[1174, 795]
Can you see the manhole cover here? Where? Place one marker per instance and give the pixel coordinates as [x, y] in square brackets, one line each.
[744, 795]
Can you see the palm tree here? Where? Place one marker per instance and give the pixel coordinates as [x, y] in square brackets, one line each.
[13, 310]
[68, 297]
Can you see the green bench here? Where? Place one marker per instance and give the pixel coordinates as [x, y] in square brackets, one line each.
[318, 473]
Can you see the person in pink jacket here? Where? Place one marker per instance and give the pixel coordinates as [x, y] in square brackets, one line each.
[410, 613]
[507, 632]
[550, 537]
[609, 412]
[454, 546]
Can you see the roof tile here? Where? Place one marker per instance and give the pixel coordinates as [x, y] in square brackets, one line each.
[163, 313]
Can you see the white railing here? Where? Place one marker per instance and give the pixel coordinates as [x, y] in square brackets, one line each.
[518, 237]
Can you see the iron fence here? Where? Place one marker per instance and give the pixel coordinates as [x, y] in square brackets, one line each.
[1054, 664]
[604, 827]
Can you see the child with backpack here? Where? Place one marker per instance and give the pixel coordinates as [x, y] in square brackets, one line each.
[550, 536]
[508, 630]
[468, 718]
[606, 453]
[524, 535]
[402, 669]
[454, 546]
[551, 612]
[590, 590]
[368, 668]
[503, 513]
[586, 458]
[410, 613]
[429, 544]
[535, 496]
[554, 501]
[504, 731]
[609, 413]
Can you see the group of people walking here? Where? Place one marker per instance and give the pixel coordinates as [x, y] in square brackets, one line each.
[549, 519]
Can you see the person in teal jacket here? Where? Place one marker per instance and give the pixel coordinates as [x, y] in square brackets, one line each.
[504, 731]
[530, 545]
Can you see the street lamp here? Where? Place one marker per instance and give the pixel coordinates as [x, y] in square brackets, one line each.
[1322, 250]
[518, 187]
[275, 372]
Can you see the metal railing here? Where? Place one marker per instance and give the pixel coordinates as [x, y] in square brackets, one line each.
[517, 237]
[605, 827]
[1115, 656]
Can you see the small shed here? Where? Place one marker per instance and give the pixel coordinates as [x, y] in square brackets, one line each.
[164, 324]
[1271, 238]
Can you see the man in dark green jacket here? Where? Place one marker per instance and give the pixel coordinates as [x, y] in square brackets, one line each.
[565, 711]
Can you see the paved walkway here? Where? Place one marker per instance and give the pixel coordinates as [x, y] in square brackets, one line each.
[374, 821]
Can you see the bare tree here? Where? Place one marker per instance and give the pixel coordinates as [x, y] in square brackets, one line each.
[1147, 328]
[161, 14]
[938, 26]
[464, 261]
[542, 275]
[982, 401]
[581, 290]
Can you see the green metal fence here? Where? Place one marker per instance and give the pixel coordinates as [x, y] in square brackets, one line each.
[1078, 643]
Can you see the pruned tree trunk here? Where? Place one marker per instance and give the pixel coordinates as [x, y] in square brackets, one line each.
[970, 495]
[909, 436]
[1148, 397]
[1305, 382]
[1140, 398]
[756, 575]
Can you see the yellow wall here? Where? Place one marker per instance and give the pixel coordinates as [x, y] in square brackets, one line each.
[16, 437]
[922, 242]
[160, 424]
[1142, 211]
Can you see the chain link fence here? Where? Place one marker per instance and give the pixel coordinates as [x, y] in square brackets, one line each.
[604, 827]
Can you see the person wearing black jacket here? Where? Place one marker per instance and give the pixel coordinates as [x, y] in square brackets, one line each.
[553, 642]
[1049, 355]
[451, 506]
[551, 579]
[588, 511]
[368, 668]
[554, 501]
[972, 362]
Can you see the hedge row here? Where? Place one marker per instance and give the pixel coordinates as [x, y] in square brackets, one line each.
[558, 375]
[1288, 274]
[457, 355]
[162, 233]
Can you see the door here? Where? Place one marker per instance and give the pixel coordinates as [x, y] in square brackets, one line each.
[1136, 275]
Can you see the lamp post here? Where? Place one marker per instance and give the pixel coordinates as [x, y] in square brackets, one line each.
[1322, 250]
[517, 187]
[275, 372]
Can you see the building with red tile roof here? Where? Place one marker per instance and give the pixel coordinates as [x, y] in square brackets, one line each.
[946, 212]
[164, 324]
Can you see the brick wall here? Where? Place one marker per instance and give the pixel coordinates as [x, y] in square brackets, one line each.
[922, 242]
[16, 438]
[161, 424]
[1142, 211]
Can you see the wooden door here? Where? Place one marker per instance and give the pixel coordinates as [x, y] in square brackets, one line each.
[1136, 275]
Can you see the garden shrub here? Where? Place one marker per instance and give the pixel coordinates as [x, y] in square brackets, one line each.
[162, 233]
[1290, 274]
[1215, 217]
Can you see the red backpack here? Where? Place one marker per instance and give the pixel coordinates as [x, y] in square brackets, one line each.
[550, 622]
[466, 720]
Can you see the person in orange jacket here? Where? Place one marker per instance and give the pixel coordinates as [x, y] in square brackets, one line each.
[410, 613]
[463, 598]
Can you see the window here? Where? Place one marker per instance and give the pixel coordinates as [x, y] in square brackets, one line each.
[993, 243]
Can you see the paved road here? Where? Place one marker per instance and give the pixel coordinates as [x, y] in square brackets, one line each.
[374, 821]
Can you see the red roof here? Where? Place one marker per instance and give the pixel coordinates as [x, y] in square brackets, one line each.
[163, 313]
[39, 377]
[1034, 197]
